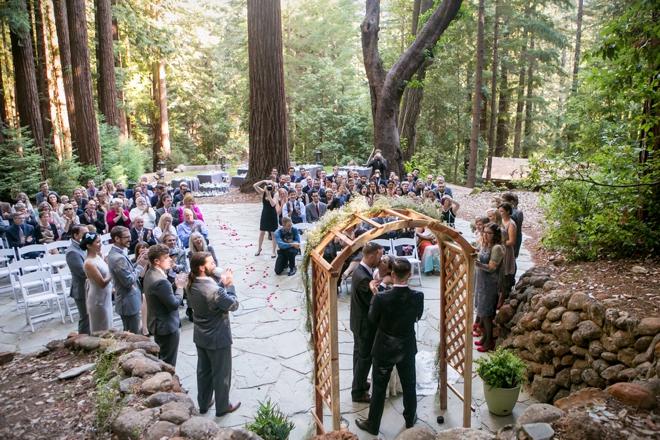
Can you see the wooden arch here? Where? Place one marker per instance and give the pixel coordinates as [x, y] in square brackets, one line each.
[457, 259]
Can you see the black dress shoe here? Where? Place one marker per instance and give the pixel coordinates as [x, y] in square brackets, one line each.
[365, 398]
[411, 424]
[293, 271]
[365, 425]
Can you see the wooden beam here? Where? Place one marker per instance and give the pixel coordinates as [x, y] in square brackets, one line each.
[368, 220]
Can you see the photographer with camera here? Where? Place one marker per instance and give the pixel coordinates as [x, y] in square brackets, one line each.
[269, 198]
[288, 242]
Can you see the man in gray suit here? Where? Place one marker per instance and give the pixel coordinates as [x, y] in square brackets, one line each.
[75, 259]
[163, 304]
[125, 278]
[315, 210]
[211, 305]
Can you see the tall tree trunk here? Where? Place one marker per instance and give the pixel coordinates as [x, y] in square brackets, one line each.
[386, 87]
[56, 87]
[64, 44]
[413, 97]
[12, 113]
[41, 65]
[268, 132]
[502, 113]
[27, 95]
[161, 148]
[578, 37]
[476, 107]
[493, 94]
[123, 124]
[3, 101]
[529, 104]
[89, 149]
[155, 116]
[105, 57]
[520, 104]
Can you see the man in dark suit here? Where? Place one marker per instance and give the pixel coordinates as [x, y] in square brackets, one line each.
[140, 233]
[125, 277]
[75, 259]
[394, 312]
[315, 209]
[92, 217]
[163, 303]
[363, 331]
[211, 300]
[378, 163]
[168, 208]
[21, 234]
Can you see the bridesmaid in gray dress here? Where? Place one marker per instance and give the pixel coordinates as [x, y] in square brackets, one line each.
[97, 286]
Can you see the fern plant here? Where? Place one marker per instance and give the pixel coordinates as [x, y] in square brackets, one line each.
[270, 423]
[501, 369]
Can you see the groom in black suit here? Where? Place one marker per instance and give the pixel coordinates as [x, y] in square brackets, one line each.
[394, 313]
[363, 331]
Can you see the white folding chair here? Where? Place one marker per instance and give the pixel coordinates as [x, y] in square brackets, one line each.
[106, 239]
[7, 256]
[49, 261]
[414, 258]
[17, 269]
[105, 249]
[60, 245]
[386, 243]
[62, 286]
[36, 288]
[303, 226]
[33, 248]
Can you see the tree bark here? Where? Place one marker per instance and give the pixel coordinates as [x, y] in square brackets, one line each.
[105, 58]
[267, 130]
[89, 149]
[493, 94]
[41, 65]
[64, 45]
[476, 108]
[520, 104]
[502, 114]
[529, 104]
[386, 87]
[123, 123]
[413, 97]
[161, 146]
[27, 95]
[578, 38]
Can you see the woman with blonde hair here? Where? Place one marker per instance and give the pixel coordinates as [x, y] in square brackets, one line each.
[164, 225]
[198, 244]
[110, 187]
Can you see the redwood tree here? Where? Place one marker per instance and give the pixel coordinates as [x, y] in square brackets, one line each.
[89, 150]
[27, 96]
[268, 137]
[386, 86]
[105, 57]
[476, 108]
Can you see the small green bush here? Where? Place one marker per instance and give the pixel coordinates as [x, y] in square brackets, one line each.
[21, 162]
[501, 369]
[270, 423]
[200, 159]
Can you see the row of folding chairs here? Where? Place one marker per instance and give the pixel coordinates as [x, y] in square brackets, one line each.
[44, 280]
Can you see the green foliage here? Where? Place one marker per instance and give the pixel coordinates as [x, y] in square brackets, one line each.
[21, 164]
[501, 369]
[107, 398]
[425, 165]
[122, 160]
[200, 159]
[270, 423]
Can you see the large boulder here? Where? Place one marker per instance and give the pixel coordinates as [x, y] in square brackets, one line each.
[161, 429]
[158, 382]
[199, 428]
[582, 398]
[649, 326]
[544, 389]
[538, 413]
[416, 433]
[633, 394]
[243, 434]
[130, 423]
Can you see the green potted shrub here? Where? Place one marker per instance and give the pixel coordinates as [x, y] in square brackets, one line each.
[270, 423]
[502, 373]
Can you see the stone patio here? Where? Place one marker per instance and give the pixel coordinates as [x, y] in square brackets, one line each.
[270, 352]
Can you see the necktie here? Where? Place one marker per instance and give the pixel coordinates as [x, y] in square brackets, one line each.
[317, 210]
[21, 235]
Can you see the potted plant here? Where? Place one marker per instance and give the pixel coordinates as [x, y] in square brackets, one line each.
[502, 373]
[270, 423]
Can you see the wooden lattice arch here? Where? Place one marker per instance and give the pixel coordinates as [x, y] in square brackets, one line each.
[457, 259]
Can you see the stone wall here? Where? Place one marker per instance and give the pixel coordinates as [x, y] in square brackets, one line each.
[572, 341]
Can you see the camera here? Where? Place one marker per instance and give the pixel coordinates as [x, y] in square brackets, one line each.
[269, 187]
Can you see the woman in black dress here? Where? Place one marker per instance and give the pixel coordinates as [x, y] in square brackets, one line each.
[268, 223]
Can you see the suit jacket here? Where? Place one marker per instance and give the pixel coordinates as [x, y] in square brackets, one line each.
[14, 238]
[162, 304]
[310, 212]
[75, 259]
[378, 164]
[395, 313]
[98, 222]
[126, 279]
[360, 300]
[211, 305]
[174, 212]
[134, 238]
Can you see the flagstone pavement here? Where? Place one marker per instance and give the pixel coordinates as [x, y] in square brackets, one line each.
[271, 359]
